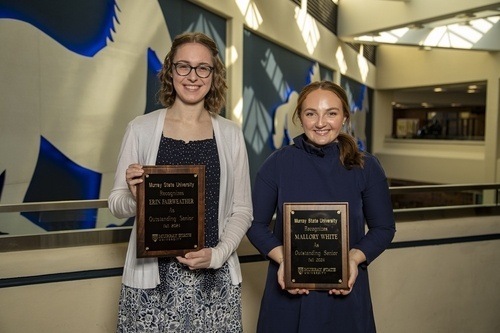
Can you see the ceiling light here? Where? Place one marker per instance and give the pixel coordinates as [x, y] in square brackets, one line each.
[438, 89]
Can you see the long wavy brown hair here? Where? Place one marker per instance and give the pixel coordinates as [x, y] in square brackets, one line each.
[215, 99]
[350, 155]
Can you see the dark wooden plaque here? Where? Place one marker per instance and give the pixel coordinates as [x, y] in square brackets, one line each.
[171, 210]
[316, 243]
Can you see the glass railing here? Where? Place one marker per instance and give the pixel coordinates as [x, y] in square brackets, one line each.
[411, 203]
[429, 202]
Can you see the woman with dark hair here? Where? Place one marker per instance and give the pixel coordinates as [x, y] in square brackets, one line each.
[200, 291]
[323, 165]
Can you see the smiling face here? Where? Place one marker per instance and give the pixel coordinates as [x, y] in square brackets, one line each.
[191, 89]
[322, 116]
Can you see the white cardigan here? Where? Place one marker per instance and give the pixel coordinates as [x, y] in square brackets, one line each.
[140, 145]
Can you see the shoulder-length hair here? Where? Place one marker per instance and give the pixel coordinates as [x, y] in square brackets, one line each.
[215, 99]
[350, 155]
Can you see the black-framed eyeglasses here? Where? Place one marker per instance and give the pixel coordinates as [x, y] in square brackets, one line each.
[183, 69]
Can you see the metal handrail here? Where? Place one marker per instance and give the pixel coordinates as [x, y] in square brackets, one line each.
[80, 237]
[442, 188]
[103, 203]
[53, 205]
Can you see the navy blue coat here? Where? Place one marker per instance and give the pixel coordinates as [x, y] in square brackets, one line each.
[304, 173]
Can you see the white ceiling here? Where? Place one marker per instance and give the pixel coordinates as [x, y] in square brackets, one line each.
[424, 24]
[463, 24]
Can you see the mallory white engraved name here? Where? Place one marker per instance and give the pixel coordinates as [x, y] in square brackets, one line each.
[316, 236]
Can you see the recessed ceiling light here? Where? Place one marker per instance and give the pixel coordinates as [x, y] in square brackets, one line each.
[438, 89]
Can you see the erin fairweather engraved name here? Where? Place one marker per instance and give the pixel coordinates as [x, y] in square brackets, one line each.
[315, 220]
[174, 201]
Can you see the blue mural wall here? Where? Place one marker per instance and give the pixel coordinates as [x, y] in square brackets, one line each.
[95, 65]
[272, 76]
[81, 26]
[86, 29]
[361, 118]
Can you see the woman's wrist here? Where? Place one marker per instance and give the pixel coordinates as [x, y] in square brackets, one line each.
[276, 255]
[357, 256]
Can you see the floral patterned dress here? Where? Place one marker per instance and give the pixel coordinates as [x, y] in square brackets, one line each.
[186, 301]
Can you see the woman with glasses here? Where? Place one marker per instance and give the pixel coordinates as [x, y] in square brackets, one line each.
[200, 291]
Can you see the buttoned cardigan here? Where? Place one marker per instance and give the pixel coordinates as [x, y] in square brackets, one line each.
[140, 145]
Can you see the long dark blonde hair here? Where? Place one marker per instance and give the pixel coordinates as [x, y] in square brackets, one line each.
[215, 99]
[350, 155]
